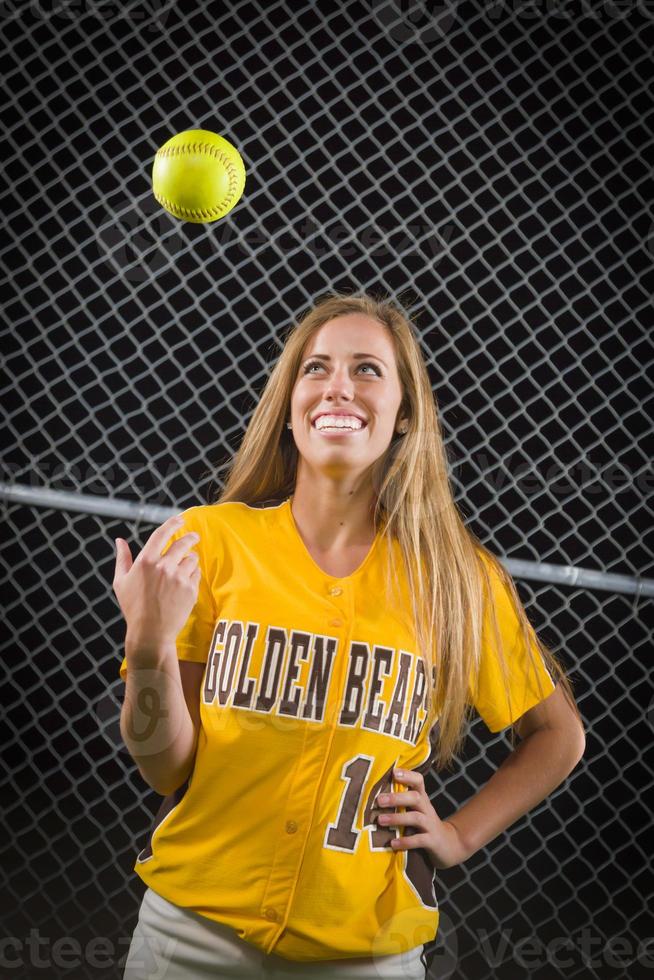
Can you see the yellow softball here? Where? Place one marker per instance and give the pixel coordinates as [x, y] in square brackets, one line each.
[198, 176]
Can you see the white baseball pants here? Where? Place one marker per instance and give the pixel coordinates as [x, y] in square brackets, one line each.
[172, 943]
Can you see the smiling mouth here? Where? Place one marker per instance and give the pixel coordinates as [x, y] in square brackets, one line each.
[338, 430]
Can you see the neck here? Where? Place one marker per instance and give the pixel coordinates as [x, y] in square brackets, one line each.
[333, 516]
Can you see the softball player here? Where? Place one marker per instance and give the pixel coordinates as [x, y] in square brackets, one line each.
[286, 711]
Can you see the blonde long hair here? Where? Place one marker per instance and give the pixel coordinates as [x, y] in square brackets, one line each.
[443, 559]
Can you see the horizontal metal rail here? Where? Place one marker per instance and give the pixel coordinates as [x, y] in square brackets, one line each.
[127, 510]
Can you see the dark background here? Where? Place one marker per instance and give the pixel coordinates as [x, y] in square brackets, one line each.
[490, 167]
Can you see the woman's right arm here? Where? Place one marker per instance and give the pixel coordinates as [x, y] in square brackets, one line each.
[159, 720]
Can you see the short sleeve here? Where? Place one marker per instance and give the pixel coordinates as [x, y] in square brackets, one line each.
[489, 695]
[194, 639]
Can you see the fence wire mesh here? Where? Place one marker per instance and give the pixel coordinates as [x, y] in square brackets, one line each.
[490, 167]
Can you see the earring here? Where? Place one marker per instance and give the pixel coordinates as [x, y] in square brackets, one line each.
[288, 425]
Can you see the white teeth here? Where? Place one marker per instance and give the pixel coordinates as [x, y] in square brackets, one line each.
[338, 422]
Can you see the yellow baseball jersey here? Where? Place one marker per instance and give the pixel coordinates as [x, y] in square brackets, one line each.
[313, 692]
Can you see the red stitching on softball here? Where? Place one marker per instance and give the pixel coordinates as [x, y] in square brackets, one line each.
[213, 151]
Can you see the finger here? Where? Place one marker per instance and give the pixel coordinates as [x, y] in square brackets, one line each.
[408, 818]
[390, 819]
[190, 563]
[180, 546]
[155, 543]
[407, 843]
[409, 777]
[408, 798]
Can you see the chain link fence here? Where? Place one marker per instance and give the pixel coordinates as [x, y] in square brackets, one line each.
[487, 165]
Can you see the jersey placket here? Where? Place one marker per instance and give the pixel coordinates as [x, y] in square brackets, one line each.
[296, 820]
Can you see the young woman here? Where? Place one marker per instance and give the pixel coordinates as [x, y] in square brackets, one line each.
[300, 653]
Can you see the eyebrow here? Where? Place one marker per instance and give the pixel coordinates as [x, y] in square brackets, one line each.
[357, 357]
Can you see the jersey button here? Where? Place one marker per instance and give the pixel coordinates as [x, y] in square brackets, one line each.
[335, 622]
[335, 590]
[270, 914]
[291, 826]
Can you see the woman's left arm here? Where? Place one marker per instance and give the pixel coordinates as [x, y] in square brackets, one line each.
[553, 742]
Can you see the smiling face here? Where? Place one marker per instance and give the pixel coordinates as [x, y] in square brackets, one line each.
[343, 381]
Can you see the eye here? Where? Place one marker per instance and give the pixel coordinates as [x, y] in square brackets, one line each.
[307, 367]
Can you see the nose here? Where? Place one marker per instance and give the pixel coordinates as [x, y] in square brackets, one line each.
[339, 383]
